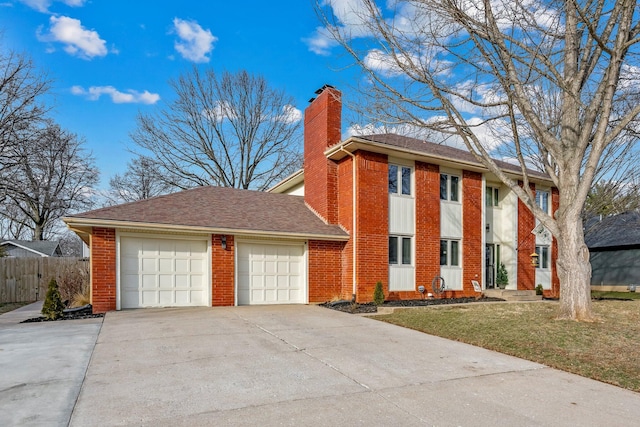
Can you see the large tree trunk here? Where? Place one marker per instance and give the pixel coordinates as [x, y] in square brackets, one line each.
[574, 270]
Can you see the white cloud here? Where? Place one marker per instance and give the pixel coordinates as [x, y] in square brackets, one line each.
[352, 20]
[195, 42]
[350, 13]
[43, 5]
[78, 40]
[320, 42]
[220, 111]
[129, 97]
[290, 114]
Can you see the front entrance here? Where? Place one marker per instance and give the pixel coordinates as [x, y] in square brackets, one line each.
[490, 266]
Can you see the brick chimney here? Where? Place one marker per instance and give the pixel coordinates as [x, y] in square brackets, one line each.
[322, 129]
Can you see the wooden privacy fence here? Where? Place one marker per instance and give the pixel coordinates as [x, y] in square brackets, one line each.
[26, 279]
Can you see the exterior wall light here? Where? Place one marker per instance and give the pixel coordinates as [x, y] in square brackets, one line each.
[223, 242]
[535, 259]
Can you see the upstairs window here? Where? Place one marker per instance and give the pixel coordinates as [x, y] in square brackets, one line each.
[399, 180]
[449, 187]
[542, 200]
[492, 196]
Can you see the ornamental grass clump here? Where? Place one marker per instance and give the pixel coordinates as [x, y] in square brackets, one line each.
[53, 306]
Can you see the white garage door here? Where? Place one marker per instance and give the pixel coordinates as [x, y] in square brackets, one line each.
[157, 272]
[271, 273]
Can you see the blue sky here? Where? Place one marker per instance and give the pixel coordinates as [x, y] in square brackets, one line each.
[111, 59]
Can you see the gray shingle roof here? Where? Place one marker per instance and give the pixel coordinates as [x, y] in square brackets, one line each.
[613, 231]
[441, 150]
[222, 208]
[45, 247]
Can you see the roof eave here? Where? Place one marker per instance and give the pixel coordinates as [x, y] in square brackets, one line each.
[289, 182]
[352, 144]
[79, 225]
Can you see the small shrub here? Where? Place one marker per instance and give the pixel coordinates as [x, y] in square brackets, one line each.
[53, 306]
[378, 294]
[539, 289]
[502, 277]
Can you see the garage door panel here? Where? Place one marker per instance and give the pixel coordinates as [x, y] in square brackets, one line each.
[163, 272]
[270, 273]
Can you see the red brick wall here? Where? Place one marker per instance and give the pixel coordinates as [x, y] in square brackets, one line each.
[322, 129]
[222, 271]
[472, 229]
[372, 216]
[555, 281]
[103, 269]
[526, 246]
[325, 271]
[345, 219]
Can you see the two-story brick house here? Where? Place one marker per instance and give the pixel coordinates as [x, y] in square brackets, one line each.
[372, 208]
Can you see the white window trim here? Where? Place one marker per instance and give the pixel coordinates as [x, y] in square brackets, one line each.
[412, 183]
[448, 264]
[399, 264]
[449, 174]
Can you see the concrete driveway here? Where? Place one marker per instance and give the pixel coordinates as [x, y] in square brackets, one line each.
[42, 366]
[306, 365]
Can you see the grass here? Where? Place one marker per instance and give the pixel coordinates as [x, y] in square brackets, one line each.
[606, 351]
[614, 295]
[6, 307]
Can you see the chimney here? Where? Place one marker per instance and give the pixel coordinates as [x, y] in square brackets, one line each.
[322, 129]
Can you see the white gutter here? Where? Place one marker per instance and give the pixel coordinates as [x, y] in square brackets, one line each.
[353, 214]
[73, 223]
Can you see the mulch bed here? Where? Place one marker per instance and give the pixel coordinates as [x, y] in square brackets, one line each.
[355, 308]
[84, 312]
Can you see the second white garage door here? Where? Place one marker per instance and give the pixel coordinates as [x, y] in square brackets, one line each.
[271, 273]
[163, 272]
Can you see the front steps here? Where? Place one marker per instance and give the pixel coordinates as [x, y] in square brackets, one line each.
[513, 295]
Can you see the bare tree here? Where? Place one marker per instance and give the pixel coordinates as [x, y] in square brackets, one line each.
[231, 130]
[52, 177]
[142, 180]
[558, 78]
[22, 87]
[612, 198]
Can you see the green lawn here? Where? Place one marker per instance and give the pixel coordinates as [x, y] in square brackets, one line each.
[615, 295]
[607, 350]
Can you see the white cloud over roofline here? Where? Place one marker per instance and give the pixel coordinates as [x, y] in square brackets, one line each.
[195, 43]
[130, 96]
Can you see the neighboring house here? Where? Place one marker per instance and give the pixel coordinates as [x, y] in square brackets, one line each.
[614, 245]
[31, 249]
[373, 208]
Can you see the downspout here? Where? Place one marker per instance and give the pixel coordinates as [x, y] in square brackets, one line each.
[353, 217]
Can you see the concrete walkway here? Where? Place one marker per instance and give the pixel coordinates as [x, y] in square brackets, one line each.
[42, 366]
[310, 366]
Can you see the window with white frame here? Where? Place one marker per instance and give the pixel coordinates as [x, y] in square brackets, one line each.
[450, 253]
[449, 187]
[542, 200]
[399, 180]
[492, 196]
[400, 250]
[543, 257]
